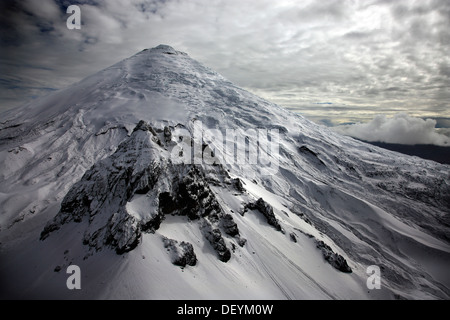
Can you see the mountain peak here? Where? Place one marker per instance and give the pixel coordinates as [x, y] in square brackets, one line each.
[165, 49]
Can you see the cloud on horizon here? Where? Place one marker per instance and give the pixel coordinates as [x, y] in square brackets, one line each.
[400, 129]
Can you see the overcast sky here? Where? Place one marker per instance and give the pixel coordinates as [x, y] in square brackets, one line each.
[334, 61]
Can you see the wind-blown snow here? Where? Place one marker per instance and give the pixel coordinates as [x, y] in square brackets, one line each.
[369, 205]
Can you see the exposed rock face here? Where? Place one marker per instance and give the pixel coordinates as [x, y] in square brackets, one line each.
[123, 232]
[182, 254]
[336, 260]
[267, 211]
[214, 236]
[230, 226]
[238, 185]
[190, 196]
[141, 166]
[167, 134]
[313, 156]
[293, 237]
[103, 192]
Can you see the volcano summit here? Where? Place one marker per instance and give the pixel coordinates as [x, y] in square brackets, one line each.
[161, 179]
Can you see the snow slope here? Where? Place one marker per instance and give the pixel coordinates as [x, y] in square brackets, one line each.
[93, 175]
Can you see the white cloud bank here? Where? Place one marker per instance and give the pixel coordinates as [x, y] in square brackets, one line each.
[401, 129]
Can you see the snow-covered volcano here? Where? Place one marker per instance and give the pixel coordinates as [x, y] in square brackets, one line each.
[160, 179]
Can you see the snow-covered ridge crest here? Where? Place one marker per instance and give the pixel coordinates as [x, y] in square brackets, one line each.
[166, 49]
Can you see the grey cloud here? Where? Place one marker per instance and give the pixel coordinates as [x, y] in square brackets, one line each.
[444, 70]
[319, 10]
[359, 35]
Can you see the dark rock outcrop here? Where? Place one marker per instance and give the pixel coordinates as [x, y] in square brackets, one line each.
[229, 225]
[313, 156]
[167, 134]
[214, 236]
[238, 185]
[336, 260]
[231, 228]
[267, 211]
[182, 254]
[123, 232]
[293, 237]
[137, 168]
